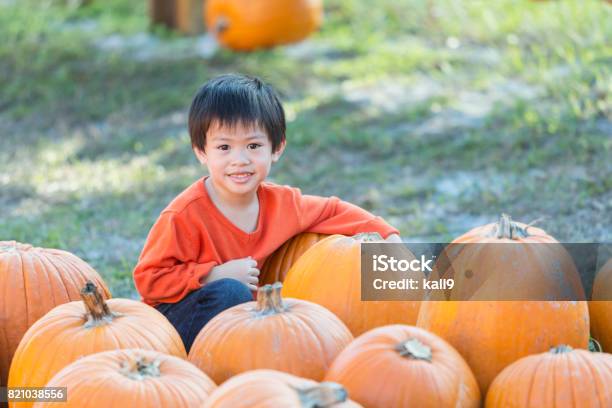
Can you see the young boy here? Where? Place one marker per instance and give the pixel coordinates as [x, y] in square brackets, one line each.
[203, 253]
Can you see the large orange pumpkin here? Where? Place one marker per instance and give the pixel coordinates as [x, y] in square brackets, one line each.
[131, 378]
[492, 334]
[329, 274]
[600, 310]
[76, 329]
[289, 335]
[560, 378]
[404, 366]
[249, 24]
[278, 264]
[273, 389]
[32, 282]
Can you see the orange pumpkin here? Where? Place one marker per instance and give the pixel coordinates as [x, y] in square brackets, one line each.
[273, 389]
[600, 311]
[560, 378]
[278, 264]
[249, 24]
[289, 335]
[76, 329]
[329, 274]
[32, 282]
[492, 334]
[131, 378]
[404, 366]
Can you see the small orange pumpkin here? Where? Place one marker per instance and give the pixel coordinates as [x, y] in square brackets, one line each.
[600, 311]
[560, 378]
[131, 378]
[76, 329]
[34, 281]
[289, 335]
[273, 389]
[329, 274]
[249, 24]
[278, 264]
[492, 334]
[404, 366]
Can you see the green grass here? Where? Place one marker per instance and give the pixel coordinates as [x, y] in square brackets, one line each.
[390, 105]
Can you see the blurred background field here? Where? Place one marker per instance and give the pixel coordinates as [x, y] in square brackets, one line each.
[437, 115]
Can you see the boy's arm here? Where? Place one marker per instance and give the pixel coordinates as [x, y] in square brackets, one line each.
[167, 269]
[334, 216]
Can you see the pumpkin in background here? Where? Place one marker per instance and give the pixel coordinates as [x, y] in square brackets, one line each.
[278, 264]
[249, 24]
[131, 378]
[493, 334]
[32, 282]
[273, 389]
[76, 329]
[404, 366]
[600, 311]
[289, 335]
[329, 274]
[560, 378]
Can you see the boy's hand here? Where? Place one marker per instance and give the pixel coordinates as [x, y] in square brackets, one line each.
[243, 270]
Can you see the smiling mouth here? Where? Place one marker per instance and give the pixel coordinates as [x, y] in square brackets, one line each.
[240, 176]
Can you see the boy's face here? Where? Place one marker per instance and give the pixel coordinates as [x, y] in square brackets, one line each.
[238, 158]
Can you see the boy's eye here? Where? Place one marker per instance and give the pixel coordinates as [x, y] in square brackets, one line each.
[223, 147]
[254, 145]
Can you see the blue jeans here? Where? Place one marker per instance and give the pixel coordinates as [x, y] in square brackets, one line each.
[190, 314]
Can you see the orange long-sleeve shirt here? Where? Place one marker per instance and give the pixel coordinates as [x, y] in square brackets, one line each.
[191, 235]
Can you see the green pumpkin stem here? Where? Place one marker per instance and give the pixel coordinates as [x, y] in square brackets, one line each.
[368, 237]
[140, 369]
[414, 349]
[269, 300]
[595, 346]
[563, 348]
[323, 395]
[506, 228]
[98, 312]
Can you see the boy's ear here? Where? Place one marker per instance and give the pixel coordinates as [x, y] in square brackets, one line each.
[200, 155]
[278, 153]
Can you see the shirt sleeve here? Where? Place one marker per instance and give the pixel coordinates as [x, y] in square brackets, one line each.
[330, 215]
[167, 269]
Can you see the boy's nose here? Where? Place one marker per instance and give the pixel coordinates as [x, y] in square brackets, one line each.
[241, 156]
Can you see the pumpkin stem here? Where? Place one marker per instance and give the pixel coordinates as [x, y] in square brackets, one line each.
[325, 394]
[595, 346]
[561, 349]
[506, 228]
[7, 246]
[140, 369]
[269, 300]
[368, 237]
[221, 25]
[98, 312]
[413, 348]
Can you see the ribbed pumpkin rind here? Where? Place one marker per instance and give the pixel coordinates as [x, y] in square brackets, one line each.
[490, 335]
[96, 381]
[377, 376]
[252, 24]
[329, 274]
[32, 282]
[302, 341]
[577, 378]
[61, 337]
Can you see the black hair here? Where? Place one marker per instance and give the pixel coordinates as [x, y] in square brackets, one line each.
[234, 98]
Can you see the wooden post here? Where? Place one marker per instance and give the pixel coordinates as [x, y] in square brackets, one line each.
[162, 12]
[186, 16]
[190, 16]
